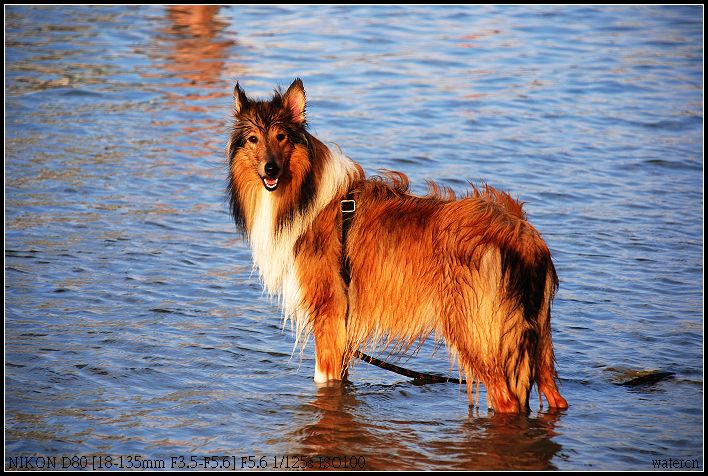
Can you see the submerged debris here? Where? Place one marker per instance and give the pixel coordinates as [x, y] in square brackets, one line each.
[647, 379]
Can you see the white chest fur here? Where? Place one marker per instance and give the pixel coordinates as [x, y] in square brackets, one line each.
[273, 253]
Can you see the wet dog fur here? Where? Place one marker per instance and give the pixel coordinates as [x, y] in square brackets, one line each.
[469, 271]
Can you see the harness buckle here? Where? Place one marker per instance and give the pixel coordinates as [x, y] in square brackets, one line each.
[348, 206]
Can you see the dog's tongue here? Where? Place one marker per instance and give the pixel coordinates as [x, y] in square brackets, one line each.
[271, 182]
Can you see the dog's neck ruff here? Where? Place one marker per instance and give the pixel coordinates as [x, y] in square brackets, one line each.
[273, 246]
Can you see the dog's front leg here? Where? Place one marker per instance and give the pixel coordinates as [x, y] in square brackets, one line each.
[324, 294]
[330, 343]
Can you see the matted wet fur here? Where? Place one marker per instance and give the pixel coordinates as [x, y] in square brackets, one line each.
[471, 272]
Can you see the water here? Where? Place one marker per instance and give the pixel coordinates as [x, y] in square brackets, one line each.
[133, 324]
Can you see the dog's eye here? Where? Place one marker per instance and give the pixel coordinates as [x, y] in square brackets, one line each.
[252, 139]
[280, 136]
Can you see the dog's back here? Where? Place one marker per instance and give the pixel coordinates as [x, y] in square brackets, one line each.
[472, 272]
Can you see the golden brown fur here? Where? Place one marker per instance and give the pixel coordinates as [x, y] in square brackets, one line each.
[471, 272]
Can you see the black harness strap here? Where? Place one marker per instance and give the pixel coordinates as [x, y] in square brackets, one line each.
[348, 208]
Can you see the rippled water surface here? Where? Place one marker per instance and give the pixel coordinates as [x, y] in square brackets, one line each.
[134, 325]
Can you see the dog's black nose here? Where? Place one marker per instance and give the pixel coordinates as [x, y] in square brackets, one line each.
[272, 169]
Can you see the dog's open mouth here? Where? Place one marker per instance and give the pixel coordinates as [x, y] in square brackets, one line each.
[270, 183]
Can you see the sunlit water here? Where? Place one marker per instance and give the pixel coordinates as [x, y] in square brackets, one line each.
[134, 324]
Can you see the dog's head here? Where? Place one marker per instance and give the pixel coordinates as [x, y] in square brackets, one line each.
[267, 134]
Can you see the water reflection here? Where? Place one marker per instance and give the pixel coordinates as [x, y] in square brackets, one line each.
[508, 442]
[336, 432]
[199, 50]
[190, 56]
[192, 48]
[481, 442]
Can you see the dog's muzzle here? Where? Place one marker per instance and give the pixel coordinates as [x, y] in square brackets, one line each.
[272, 172]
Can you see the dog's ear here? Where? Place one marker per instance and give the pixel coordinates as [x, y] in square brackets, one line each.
[240, 99]
[294, 101]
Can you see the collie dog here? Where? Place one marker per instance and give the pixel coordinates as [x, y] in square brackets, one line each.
[471, 272]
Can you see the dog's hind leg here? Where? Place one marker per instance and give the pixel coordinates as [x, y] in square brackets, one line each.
[547, 386]
[509, 386]
[500, 398]
[546, 376]
[500, 395]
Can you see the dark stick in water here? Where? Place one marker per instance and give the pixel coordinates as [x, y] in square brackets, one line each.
[647, 379]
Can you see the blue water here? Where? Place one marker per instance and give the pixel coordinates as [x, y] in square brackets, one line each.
[134, 324]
